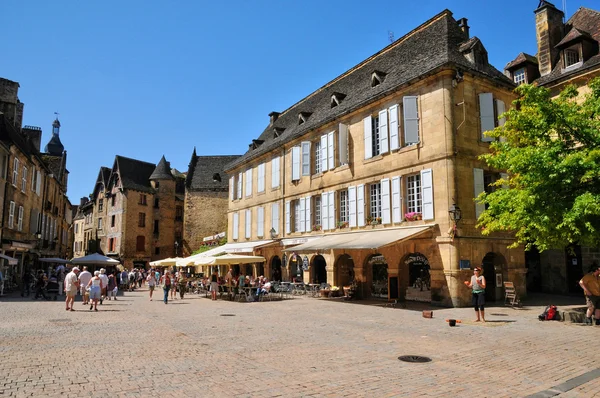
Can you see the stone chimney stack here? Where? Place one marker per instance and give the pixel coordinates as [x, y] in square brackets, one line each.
[462, 24]
[34, 133]
[273, 115]
[549, 31]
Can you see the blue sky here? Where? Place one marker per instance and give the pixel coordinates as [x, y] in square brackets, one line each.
[147, 78]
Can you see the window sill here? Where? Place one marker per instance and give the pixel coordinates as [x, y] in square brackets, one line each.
[342, 168]
[317, 175]
[373, 159]
[571, 67]
[408, 148]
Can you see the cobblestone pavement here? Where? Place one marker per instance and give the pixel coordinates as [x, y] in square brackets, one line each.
[293, 348]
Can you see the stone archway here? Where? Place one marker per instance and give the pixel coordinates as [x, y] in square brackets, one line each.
[294, 268]
[379, 276]
[318, 269]
[276, 274]
[344, 270]
[494, 271]
[419, 279]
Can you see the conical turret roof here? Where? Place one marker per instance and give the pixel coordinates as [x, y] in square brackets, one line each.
[162, 170]
[54, 146]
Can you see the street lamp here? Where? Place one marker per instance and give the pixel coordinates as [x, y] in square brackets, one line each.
[455, 215]
[273, 233]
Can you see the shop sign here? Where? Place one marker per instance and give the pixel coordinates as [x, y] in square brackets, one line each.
[305, 263]
[378, 259]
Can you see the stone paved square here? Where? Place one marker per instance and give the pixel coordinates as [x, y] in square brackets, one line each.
[301, 347]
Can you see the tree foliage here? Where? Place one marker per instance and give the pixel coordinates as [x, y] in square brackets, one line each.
[203, 249]
[551, 151]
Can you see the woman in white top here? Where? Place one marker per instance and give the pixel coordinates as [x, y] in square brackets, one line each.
[151, 279]
[95, 285]
[174, 279]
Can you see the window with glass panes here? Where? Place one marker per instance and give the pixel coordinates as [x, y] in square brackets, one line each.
[318, 155]
[519, 76]
[343, 206]
[375, 135]
[375, 200]
[413, 193]
[317, 210]
[296, 204]
[571, 57]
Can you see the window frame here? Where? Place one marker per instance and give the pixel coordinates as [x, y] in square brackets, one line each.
[343, 206]
[414, 193]
[142, 220]
[519, 76]
[375, 200]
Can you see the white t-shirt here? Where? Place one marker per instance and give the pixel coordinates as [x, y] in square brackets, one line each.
[104, 280]
[84, 278]
[70, 281]
[151, 280]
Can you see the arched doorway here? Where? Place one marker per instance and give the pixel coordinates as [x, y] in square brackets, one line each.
[276, 269]
[379, 276]
[494, 271]
[295, 268]
[419, 279]
[344, 270]
[319, 269]
[260, 269]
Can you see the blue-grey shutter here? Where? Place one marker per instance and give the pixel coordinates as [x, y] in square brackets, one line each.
[305, 158]
[360, 205]
[486, 114]
[331, 212]
[411, 120]
[275, 217]
[307, 214]
[427, 193]
[479, 187]
[500, 109]
[287, 218]
[260, 214]
[367, 137]
[302, 220]
[236, 226]
[295, 163]
[343, 144]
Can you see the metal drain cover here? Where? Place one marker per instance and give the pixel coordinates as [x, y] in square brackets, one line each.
[227, 314]
[414, 359]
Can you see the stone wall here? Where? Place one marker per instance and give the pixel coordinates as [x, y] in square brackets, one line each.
[205, 214]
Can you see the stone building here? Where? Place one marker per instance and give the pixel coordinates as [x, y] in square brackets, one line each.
[363, 179]
[568, 53]
[206, 194]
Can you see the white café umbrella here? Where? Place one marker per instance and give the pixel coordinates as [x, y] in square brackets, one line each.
[11, 260]
[55, 260]
[95, 259]
[166, 262]
[229, 259]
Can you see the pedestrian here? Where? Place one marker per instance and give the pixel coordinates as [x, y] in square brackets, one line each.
[95, 285]
[590, 283]
[131, 280]
[84, 279]
[27, 280]
[214, 286]
[40, 285]
[112, 289]
[71, 284]
[181, 281]
[477, 283]
[151, 279]
[124, 279]
[174, 279]
[157, 276]
[166, 283]
[104, 280]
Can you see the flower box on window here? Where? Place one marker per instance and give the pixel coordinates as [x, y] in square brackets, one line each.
[413, 216]
[316, 227]
[342, 224]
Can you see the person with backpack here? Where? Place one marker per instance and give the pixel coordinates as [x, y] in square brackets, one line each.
[477, 283]
[166, 283]
[590, 283]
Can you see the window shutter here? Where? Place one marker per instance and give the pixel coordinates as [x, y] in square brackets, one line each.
[325, 211]
[394, 142]
[367, 139]
[275, 217]
[360, 205]
[308, 214]
[287, 218]
[396, 200]
[295, 163]
[479, 187]
[260, 228]
[383, 132]
[486, 113]
[500, 109]
[32, 180]
[236, 226]
[11, 215]
[385, 201]
[239, 186]
[427, 193]
[261, 178]
[20, 219]
[302, 215]
[411, 120]
[248, 182]
[248, 223]
[504, 176]
[330, 151]
[306, 158]
[231, 188]
[343, 144]
[33, 220]
[324, 161]
[275, 172]
[38, 183]
[352, 206]
[331, 212]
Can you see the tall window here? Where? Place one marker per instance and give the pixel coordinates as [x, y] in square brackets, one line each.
[375, 200]
[375, 136]
[343, 206]
[155, 227]
[112, 221]
[296, 204]
[100, 204]
[140, 243]
[571, 57]
[113, 200]
[142, 220]
[413, 193]
[15, 176]
[24, 180]
[11, 215]
[142, 200]
[317, 210]
[519, 76]
[100, 224]
[318, 154]
[156, 203]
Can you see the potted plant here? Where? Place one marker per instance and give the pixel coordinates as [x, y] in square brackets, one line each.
[342, 224]
[316, 227]
[413, 216]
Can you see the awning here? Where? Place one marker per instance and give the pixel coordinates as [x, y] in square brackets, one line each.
[239, 247]
[11, 260]
[362, 239]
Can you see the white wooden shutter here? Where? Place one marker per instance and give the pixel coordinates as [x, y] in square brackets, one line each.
[288, 221]
[236, 226]
[295, 163]
[479, 187]
[275, 172]
[427, 193]
[260, 185]
[367, 137]
[385, 201]
[307, 214]
[325, 211]
[302, 215]
[394, 141]
[500, 109]
[239, 186]
[352, 206]
[20, 221]
[11, 215]
[275, 217]
[38, 184]
[248, 182]
[331, 211]
[330, 151]
[486, 114]
[305, 158]
[231, 188]
[260, 228]
[411, 120]
[343, 144]
[248, 223]
[324, 161]
[383, 131]
[360, 205]
[504, 176]
[396, 199]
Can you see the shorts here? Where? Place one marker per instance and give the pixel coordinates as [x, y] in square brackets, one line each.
[95, 293]
[214, 287]
[593, 302]
[151, 288]
[478, 299]
[71, 292]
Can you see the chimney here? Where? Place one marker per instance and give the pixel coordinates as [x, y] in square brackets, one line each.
[462, 24]
[34, 133]
[273, 115]
[83, 200]
[549, 30]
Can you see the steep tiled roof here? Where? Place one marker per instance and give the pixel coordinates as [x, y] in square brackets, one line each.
[202, 169]
[521, 58]
[574, 34]
[586, 20]
[427, 48]
[54, 163]
[135, 174]
[162, 170]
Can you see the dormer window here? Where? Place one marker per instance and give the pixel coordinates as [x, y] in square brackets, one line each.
[571, 57]
[277, 131]
[519, 76]
[377, 78]
[303, 117]
[336, 99]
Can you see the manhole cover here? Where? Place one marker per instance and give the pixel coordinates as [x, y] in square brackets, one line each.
[414, 358]
[227, 314]
[59, 320]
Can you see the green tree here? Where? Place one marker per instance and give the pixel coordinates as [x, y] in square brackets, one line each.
[203, 249]
[551, 150]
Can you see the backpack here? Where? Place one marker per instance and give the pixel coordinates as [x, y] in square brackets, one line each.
[549, 314]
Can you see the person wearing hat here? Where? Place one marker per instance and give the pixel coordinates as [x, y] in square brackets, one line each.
[71, 285]
[477, 283]
[590, 283]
